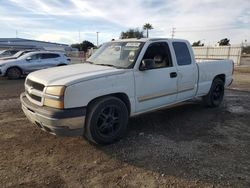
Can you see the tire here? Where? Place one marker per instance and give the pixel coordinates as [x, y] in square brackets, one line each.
[13, 73]
[61, 65]
[216, 93]
[106, 121]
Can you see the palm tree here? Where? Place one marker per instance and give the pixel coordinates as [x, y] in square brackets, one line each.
[147, 26]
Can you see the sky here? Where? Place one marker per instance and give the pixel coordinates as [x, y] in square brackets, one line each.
[71, 21]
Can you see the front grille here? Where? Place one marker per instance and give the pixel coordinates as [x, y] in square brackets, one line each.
[34, 91]
[35, 85]
[37, 98]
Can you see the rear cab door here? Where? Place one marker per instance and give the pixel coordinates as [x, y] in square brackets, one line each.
[187, 70]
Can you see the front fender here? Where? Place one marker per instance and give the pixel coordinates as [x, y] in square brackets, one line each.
[80, 94]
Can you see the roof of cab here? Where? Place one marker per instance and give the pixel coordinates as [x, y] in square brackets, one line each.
[146, 39]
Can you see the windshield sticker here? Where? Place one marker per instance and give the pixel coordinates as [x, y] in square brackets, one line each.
[133, 44]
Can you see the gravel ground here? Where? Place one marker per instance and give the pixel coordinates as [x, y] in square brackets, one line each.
[188, 145]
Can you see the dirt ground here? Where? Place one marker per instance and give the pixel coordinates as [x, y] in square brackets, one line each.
[185, 146]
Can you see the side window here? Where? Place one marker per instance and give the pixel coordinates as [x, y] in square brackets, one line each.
[35, 57]
[49, 56]
[6, 53]
[160, 53]
[12, 52]
[182, 53]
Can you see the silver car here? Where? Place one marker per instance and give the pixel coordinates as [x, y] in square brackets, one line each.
[17, 55]
[8, 53]
[32, 61]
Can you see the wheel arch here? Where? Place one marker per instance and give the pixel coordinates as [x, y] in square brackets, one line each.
[122, 96]
[220, 76]
[13, 67]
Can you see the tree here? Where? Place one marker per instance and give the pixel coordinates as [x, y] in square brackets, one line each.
[84, 46]
[132, 33]
[224, 42]
[147, 26]
[77, 45]
[246, 50]
[198, 43]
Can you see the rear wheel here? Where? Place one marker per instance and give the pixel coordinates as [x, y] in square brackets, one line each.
[106, 120]
[13, 73]
[216, 93]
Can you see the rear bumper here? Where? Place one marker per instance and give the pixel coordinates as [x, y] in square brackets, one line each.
[66, 122]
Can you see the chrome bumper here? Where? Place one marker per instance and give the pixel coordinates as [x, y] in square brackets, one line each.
[66, 122]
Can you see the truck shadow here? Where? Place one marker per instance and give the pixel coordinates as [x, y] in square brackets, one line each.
[186, 141]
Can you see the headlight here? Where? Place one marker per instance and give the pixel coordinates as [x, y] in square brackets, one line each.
[55, 90]
[54, 97]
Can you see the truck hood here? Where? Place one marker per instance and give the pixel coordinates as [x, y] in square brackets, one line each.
[71, 74]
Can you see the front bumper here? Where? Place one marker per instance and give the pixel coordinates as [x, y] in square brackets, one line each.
[65, 122]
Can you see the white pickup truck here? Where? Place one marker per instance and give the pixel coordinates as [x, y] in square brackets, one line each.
[121, 79]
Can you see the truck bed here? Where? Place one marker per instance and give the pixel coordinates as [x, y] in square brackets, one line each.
[209, 69]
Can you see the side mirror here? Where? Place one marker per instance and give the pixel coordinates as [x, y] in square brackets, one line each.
[28, 58]
[147, 64]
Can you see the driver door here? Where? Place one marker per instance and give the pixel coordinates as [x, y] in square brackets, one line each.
[156, 86]
[33, 63]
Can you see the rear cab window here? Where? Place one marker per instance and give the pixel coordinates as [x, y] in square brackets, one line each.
[182, 53]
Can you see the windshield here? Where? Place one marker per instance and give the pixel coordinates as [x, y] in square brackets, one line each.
[18, 56]
[117, 54]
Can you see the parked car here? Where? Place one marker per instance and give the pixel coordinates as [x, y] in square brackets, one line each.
[7, 53]
[121, 79]
[32, 61]
[17, 55]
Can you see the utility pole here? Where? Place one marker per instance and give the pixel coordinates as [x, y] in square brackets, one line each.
[79, 36]
[97, 39]
[16, 33]
[173, 32]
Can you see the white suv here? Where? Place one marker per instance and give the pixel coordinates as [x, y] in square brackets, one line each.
[32, 61]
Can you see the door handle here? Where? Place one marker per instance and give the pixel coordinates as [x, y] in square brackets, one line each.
[173, 74]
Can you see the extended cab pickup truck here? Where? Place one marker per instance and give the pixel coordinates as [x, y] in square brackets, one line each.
[121, 79]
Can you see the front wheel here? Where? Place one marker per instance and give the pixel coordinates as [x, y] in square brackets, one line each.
[216, 93]
[106, 120]
[13, 73]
